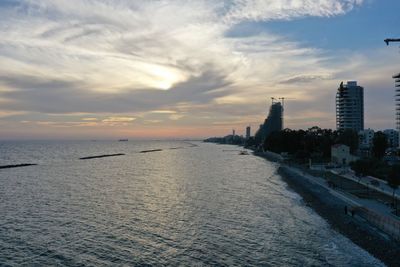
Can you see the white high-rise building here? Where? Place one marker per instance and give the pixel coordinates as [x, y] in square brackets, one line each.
[350, 107]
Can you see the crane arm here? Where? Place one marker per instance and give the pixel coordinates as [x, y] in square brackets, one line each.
[387, 41]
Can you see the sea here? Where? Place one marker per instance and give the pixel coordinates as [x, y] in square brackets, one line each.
[188, 204]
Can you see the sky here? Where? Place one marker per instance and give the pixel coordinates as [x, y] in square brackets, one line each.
[162, 69]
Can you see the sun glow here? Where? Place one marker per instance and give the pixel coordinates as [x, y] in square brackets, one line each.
[164, 78]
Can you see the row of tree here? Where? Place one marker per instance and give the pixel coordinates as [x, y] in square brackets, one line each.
[317, 141]
[314, 142]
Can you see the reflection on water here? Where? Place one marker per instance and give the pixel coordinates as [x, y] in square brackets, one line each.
[190, 206]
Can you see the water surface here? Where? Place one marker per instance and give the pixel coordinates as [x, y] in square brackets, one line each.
[193, 205]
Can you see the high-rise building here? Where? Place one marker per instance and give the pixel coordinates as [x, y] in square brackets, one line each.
[350, 106]
[397, 85]
[248, 132]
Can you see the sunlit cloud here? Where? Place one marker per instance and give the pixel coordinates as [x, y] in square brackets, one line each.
[163, 111]
[89, 119]
[118, 119]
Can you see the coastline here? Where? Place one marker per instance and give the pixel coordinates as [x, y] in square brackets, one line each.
[331, 208]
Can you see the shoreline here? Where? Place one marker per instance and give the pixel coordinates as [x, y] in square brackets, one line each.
[331, 209]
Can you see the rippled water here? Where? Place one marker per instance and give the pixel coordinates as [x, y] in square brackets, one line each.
[188, 206]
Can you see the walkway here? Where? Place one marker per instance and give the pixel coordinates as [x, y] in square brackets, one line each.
[368, 181]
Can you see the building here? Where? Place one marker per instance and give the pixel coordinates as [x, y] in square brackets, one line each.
[350, 106]
[248, 132]
[397, 99]
[392, 137]
[366, 138]
[340, 154]
[273, 123]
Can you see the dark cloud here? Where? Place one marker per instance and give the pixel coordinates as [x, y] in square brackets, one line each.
[58, 96]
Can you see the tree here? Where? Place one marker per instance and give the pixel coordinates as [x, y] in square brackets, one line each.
[360, 167]
[379, 145]
[349, 138]
[250, 142]
[394, 182]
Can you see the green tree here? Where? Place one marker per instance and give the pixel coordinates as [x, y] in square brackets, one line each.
[379, 145]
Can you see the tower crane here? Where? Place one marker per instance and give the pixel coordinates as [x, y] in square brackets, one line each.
[389, 40]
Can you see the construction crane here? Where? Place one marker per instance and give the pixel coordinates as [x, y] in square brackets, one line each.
[390, 40]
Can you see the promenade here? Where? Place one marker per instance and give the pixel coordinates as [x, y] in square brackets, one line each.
[370, 182]
[359, 197]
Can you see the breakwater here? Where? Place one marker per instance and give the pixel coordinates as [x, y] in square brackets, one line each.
[17, 165]
[103, 156]
[150, 150]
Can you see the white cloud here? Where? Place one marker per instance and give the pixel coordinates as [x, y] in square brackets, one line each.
[264, 10]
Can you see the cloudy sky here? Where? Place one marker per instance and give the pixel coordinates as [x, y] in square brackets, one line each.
[80, 69]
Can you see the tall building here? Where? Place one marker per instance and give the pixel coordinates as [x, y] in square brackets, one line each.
[350, 106]
[274, 121]
[248, 132]
[397, 85]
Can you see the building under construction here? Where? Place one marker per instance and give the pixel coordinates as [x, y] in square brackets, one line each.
[273, 122]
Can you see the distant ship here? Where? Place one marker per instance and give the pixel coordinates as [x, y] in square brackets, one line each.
[123, 140]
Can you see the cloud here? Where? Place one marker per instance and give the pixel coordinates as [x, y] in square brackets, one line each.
[68, 97]
[156, 61]
[261, 10]
[119, 119]
[306, 79]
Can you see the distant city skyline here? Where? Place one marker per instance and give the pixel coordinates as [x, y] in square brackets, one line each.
[189, 69]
